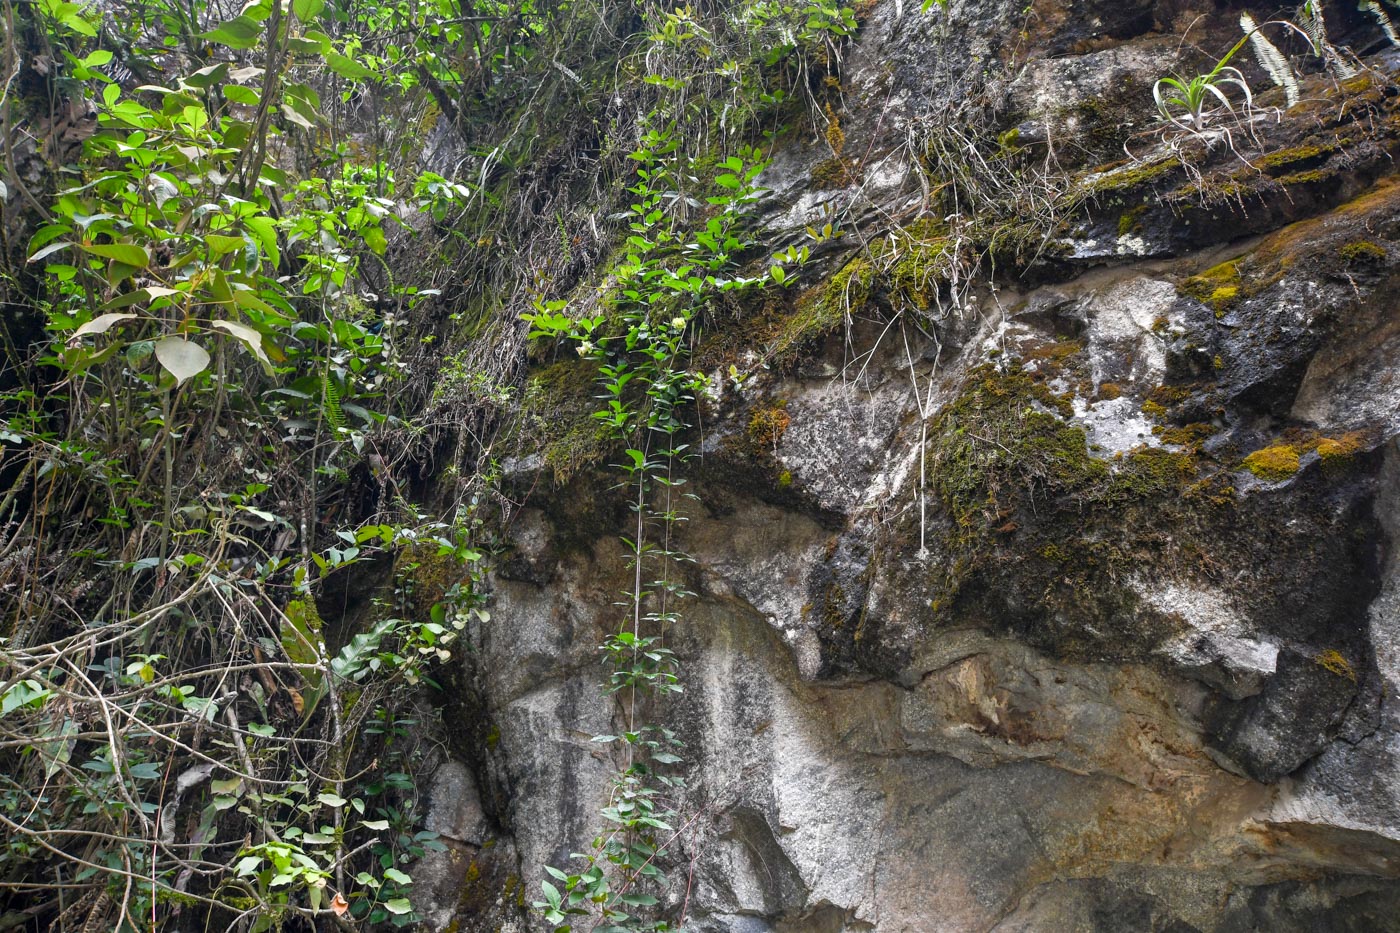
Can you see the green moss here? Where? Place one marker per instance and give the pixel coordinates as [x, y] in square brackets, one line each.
[836, 172]
[997, 441]
[1219, 287]
[785, 479]
[1036, 528]
[1129, 177]
[1292, 156]
[1273, 464]
[1150, 471]
[912, 263]
[1130, 221]
[1337, 453]
[821, 308]
[493, 736]
[557, 414]
[1154, 409]
[1310, 177]
[1108, 391]
[1191, 435]
[768, 424]
[1058, 351]
[1362, 252]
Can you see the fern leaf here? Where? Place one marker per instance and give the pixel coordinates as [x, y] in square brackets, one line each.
[1271, 59]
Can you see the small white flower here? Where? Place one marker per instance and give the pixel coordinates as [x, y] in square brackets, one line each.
[585, 348]
[678, 323]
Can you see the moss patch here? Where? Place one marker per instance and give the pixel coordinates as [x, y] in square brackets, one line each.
[1219, 287]
[1337, 453]
[1274, 464]
[1035, 520]
[557, 416]
[768, 424]
[836, 172]
[1362, 252]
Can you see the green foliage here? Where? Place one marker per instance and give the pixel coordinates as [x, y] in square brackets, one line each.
[220, 357]
[666, 277]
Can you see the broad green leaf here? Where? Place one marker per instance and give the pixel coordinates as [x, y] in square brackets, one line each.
[375, 239]
[291, 114]
[264, 230]
[140, 296]
[101, 324]
[51, 248]
[398, 905]
[331, 800]
[347, 67]
[241, 32]
[307, 10]
[206, 78]
[128, 254]
[181, 358]
[238, 94]
[248, 337]
[220, 245]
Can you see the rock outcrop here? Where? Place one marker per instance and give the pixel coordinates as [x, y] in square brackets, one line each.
[1049, 591]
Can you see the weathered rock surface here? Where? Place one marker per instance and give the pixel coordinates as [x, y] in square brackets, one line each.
[1074, 608]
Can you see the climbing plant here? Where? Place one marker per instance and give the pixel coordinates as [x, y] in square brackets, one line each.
[667, 276]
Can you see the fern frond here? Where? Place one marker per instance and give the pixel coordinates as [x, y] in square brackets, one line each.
[332, 402]
[1271, 59]
[1382, 19]
[1315, 27]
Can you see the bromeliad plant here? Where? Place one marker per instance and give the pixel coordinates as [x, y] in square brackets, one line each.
[665, 280]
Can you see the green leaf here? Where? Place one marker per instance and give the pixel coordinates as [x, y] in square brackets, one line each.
[181, 358]
[375, 824]
[51, 248]
[140, 296]
[291, 114]
[220, 245]
[238, 94]
[393, 874]
[398, 905]
[264, 230]
[347, 67]
[307, 10]
[126, 253]
[241, 32]
[101, 324]
[374, 238]
[331, 800]
[206, 78]
[248, 337]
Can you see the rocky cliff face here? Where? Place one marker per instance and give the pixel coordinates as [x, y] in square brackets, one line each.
[1054, 591]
